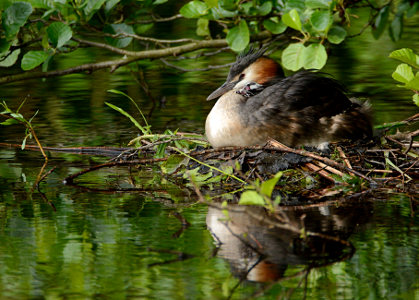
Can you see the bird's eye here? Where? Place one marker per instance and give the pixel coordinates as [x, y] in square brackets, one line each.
[241, 76]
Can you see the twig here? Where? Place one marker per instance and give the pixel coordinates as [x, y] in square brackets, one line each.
[343, 156]
[319, 171]
[103, 151]
[104, 46]
[28, 125]
[69, 179]
[280, 147]
[330, 169]
[157, 20]
[407, 121]
[153, 40]
[45, 175]
[201, 54]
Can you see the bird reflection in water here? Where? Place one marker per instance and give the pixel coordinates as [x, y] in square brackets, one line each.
[260, 246]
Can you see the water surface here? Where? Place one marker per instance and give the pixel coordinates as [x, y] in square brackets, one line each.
[79, 243]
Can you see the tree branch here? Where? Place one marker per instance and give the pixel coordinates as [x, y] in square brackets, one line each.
[131, 57]
[104, 46]
[157, 20]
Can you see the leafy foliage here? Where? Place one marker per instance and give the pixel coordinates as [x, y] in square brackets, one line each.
[260, 193]
[404, 72]
[36, 31]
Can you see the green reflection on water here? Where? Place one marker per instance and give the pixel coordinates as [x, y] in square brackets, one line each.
[122, 245]
[102, 244]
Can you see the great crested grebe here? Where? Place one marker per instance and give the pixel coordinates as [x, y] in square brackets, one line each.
[257, 103]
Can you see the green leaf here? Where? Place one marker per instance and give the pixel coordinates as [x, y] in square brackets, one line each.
[110, 4]
[238, 37]
[251, 198]
[264, 9]
[147, 127]
[314, 56]
[14, 17]
[211, 3]
[292, 19]
[336, 34]
[230, 5]
[32, 59]
[320, 19]
[416, 99]
[120, 42]
[412, 10]
[34, 115]
[9, 122]
[313, 4]
[406, 55]
[59, 33]
[221, 13]
[193, 9]
[142, 28]
[45, 4]
[414, 83]
[10, 60]
[381, 22]
[274, 26]
[24, 143]
[396, 28]
[18, 117]
[197, 177]
[202, 27]
[299, 5]
[292, 57]
[173, 163]
[6, 110]
[156, 2]
[123, 112]
[403, 73]
[92, 7]
[4, 46]
[268, 186]
[160, 150]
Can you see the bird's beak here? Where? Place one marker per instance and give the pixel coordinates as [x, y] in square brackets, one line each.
[227, 86]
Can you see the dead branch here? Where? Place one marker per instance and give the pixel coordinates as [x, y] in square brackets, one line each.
[328, 161]
[320, 171]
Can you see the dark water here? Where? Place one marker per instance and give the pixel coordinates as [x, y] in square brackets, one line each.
[77, 243]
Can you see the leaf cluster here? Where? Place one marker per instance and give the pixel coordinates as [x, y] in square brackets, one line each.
[15, 117]
[34, 32]
[42, 29]
[404, 72]
[314, 23]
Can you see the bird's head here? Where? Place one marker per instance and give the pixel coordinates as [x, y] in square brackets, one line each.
[250, 67]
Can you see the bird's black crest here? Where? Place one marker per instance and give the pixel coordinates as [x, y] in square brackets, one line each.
[244, 60]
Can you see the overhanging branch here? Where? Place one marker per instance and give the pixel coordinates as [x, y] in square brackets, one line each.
[130, 56]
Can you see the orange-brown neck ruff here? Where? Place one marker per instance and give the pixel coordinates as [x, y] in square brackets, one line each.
[264, 70]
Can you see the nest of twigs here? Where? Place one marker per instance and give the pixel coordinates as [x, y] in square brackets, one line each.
[389, 163]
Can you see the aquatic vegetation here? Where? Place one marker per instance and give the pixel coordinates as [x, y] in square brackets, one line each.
[14, 117]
